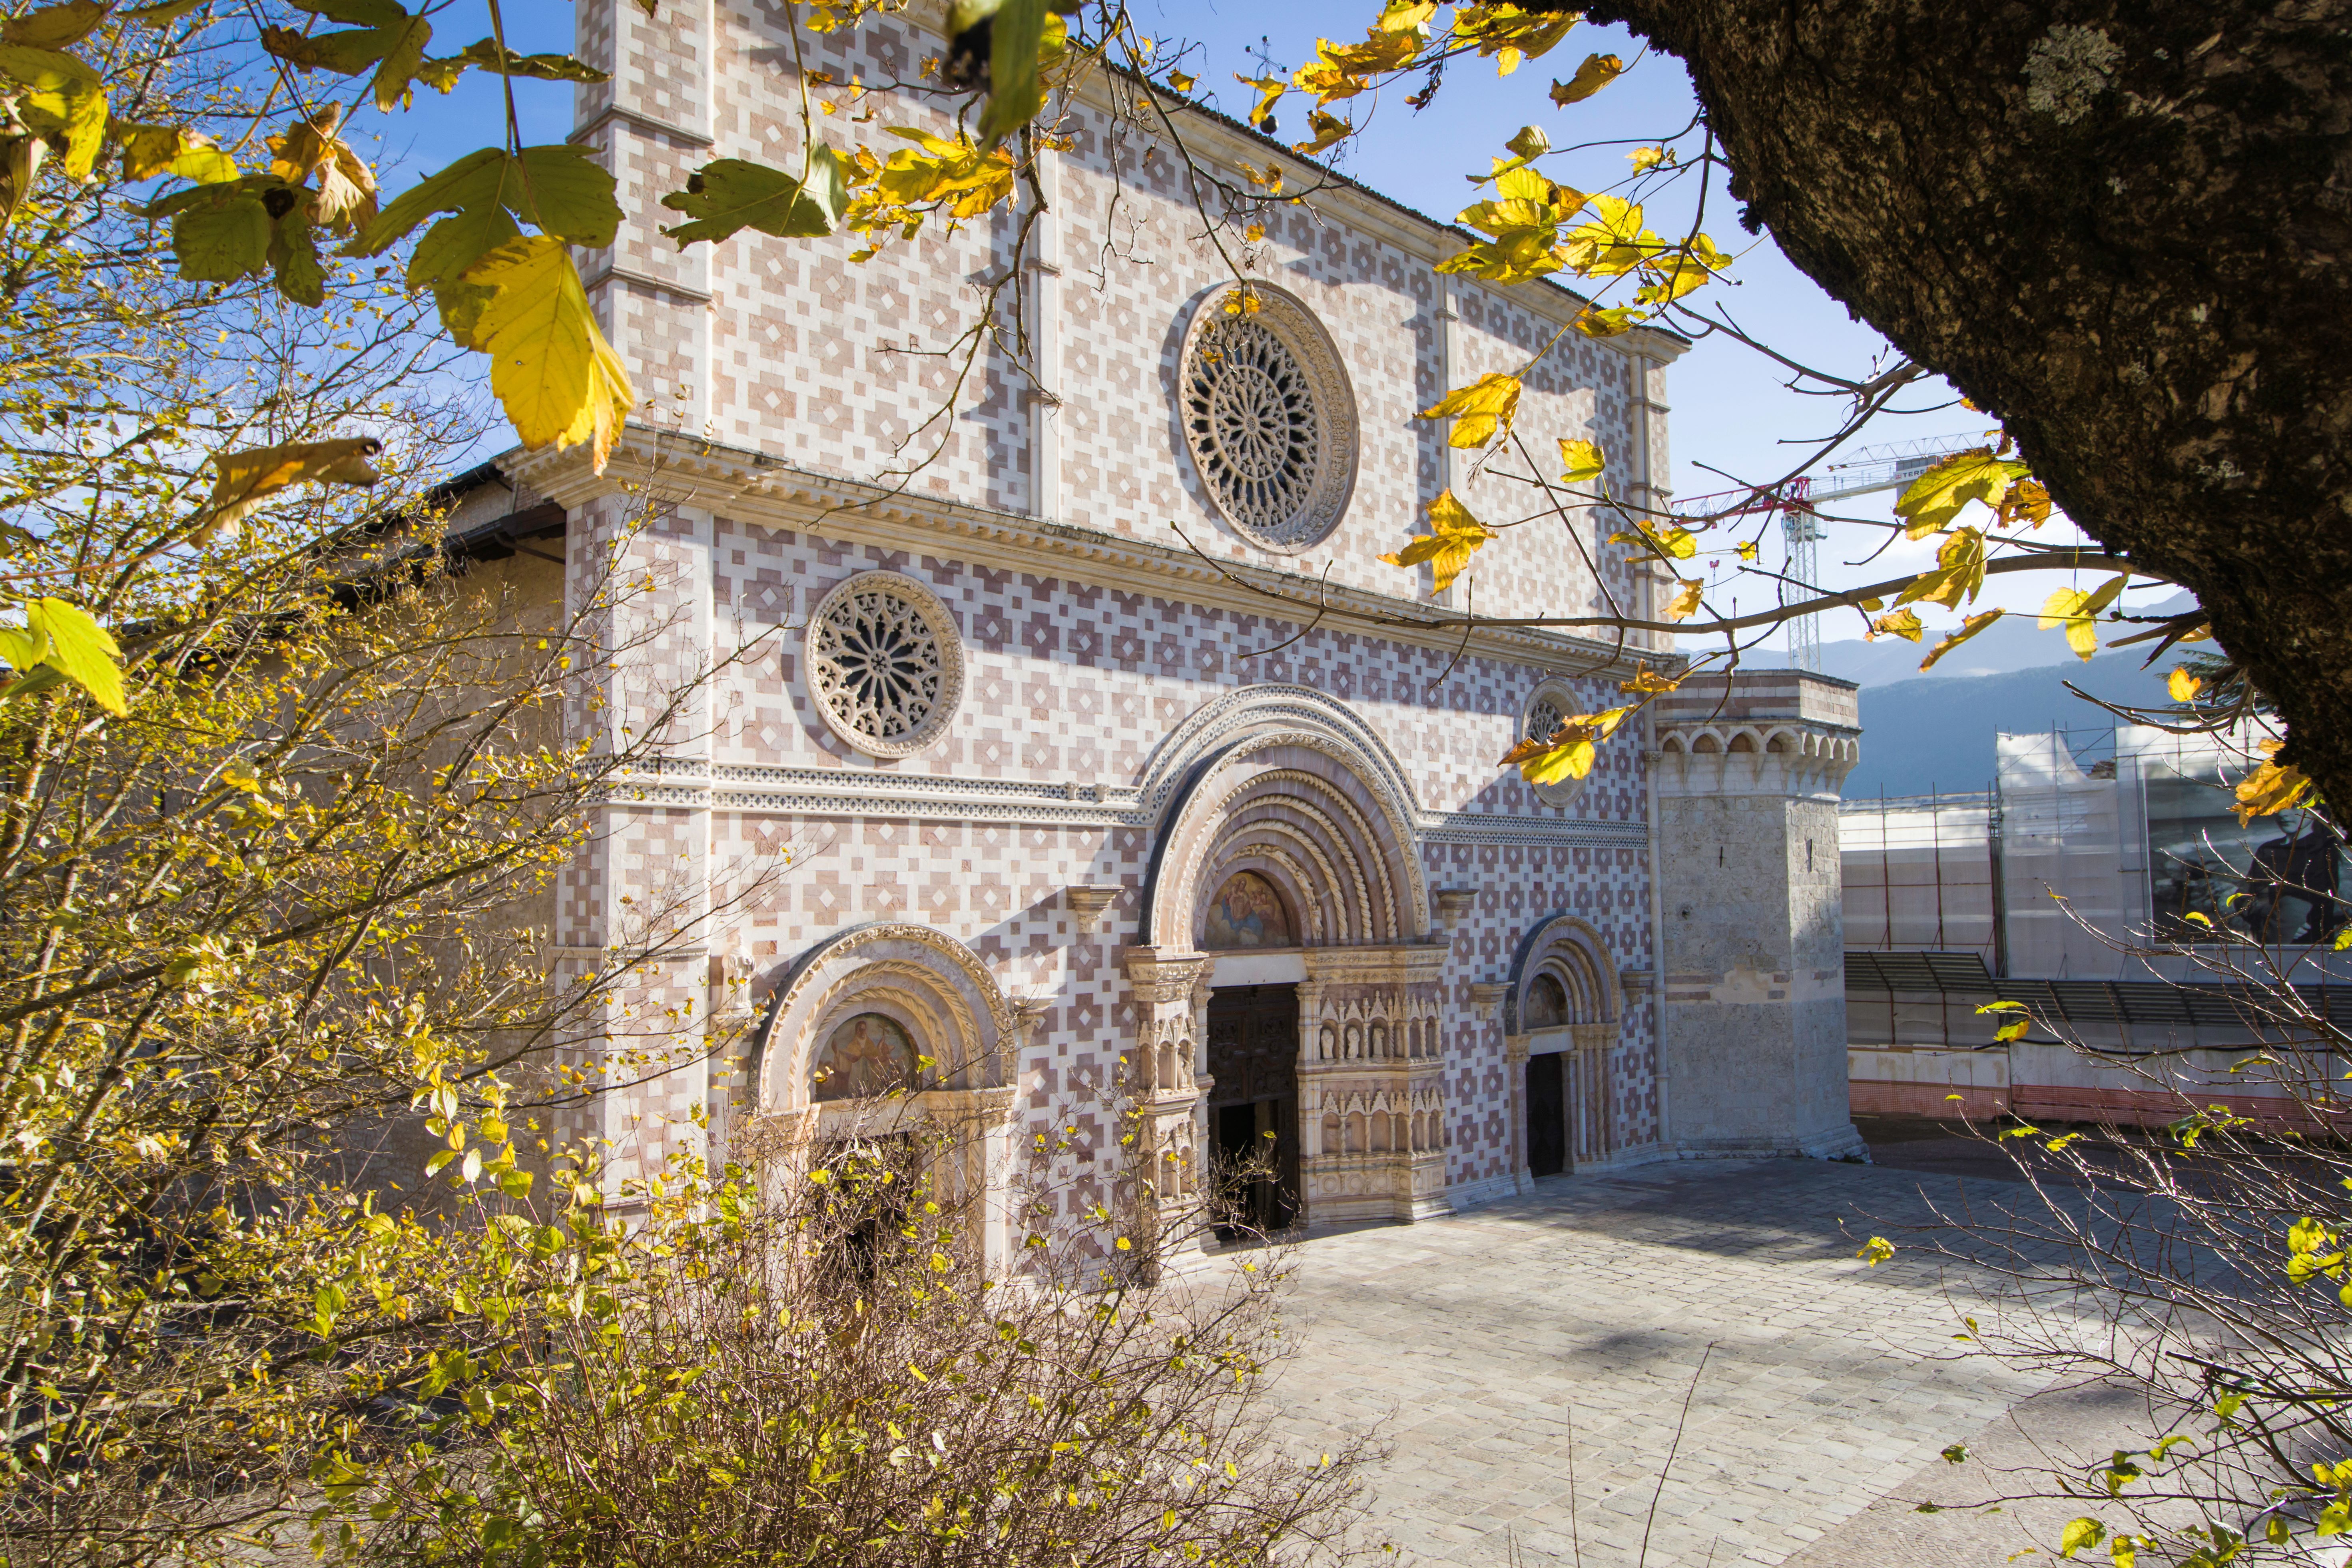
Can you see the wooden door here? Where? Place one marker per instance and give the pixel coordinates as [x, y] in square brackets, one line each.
[1254, 1103]
[1546, 1102]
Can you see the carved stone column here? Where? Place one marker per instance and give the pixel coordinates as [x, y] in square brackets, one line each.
[1167, 1084]
[1371, 1084]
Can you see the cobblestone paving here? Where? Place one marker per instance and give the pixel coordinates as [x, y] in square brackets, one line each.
[1497, 1349]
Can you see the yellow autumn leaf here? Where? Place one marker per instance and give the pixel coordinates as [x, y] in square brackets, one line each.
[1746, 547]
[1569, 751]
[1685, 602]
[551, 368]
[1182, 80]
[1597, 72]
[1583, 461]
[1329, 130]
[2080, 1533]
[242, 480]
[2076, 610]
[79, 649]
[55, 27]
[1649, 682]
[2028, 501]
[1939, 495]
[1968, 628]
[1673, 543]
[1877, 1250]
[1453, 538]
[1612, 322]
[2181, 686]
[1959, 575]
[2273, 787]
[1270, 90]
[1898, 623]
[1480, 411]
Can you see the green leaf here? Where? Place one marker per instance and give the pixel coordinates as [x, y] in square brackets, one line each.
[84, 651]
[294, 258]
[55, 27]
[223, 240]
[1014, 92]
[558, 188]
[730, 195]
[456, 242]
[45, 70]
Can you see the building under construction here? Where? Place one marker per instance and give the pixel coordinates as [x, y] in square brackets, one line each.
[2097, 883]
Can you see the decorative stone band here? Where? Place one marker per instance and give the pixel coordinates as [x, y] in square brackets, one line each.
[855, 792]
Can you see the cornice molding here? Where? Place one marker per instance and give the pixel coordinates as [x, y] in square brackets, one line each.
[756, 488]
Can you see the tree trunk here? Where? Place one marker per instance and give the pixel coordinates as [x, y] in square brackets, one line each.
[2125, 226]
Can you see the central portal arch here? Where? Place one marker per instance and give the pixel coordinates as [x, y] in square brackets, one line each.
[1287, 859]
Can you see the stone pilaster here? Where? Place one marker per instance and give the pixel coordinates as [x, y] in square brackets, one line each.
[1167, 1084]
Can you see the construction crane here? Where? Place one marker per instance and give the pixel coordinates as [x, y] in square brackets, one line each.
[1873, 469]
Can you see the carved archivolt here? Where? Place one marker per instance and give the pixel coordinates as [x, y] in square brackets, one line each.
[926, 981]
[1302, 715]
[1296, 788]
[1269, 418]
[1568, 954]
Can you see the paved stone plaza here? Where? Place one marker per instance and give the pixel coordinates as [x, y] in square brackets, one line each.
[1483, 1347]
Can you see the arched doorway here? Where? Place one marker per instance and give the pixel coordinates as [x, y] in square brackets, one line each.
[1563, 1012]
[895, 1033]
[1286, 915]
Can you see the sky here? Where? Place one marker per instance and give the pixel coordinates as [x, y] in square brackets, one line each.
[1734, 419]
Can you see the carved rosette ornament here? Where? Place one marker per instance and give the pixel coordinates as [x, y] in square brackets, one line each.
[885, 663]
[1269, 418]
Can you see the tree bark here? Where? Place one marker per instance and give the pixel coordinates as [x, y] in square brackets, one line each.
[2123, 226]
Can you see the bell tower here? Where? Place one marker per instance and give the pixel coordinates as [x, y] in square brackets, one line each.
[1749, 768]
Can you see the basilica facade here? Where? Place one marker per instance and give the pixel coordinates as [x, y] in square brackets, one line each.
[1017, 800]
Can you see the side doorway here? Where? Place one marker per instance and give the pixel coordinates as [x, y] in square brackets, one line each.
[1252, 1106]
[1546, 1103]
